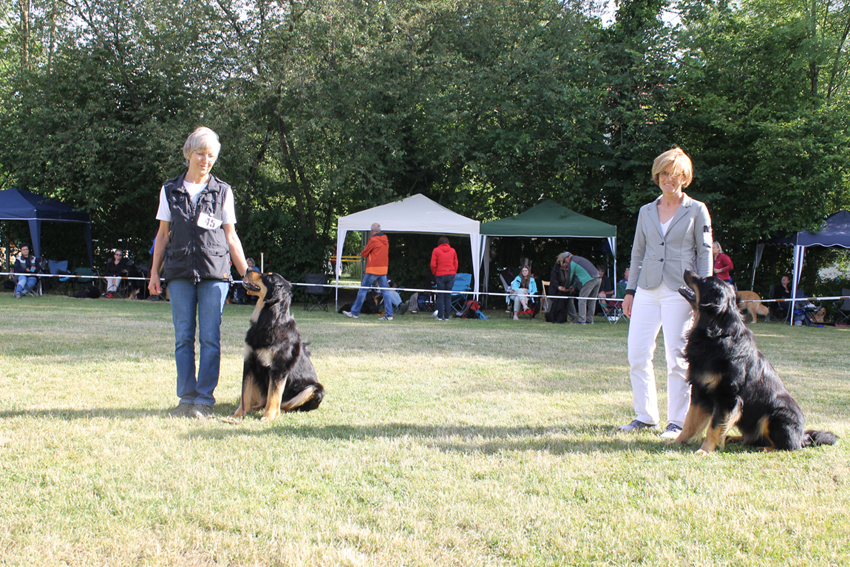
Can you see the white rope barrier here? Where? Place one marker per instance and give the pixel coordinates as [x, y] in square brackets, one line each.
[423, 290]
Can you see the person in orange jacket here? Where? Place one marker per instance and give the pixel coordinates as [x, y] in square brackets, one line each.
[377, 253]
[444, 268]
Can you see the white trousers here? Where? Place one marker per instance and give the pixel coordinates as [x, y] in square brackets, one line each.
[653, 310]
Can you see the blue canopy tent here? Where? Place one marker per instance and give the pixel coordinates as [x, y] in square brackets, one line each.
[19, 205]
[834, 232]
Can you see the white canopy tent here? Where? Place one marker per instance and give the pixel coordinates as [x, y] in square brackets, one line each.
[416, 214]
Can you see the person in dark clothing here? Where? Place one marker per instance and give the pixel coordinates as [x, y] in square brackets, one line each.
[782, 291]
[561, 309]
[26, 266]
[195, 245]
[115, 270]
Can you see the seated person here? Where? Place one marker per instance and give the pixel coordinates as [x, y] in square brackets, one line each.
[625, 281]
[26, 266]
[522, 286]
[606, 288]
[782, 291]
[115, 269]
[399, 306]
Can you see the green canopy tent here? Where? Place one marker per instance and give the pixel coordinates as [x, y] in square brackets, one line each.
[546, 220]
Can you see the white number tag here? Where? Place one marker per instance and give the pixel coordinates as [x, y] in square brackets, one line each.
[208, 222]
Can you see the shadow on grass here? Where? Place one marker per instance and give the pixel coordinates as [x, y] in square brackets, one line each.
[471, 439]
[466, 439]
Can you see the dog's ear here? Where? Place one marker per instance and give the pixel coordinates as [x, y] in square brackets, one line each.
[718, 299]
[272, 285]
[278, 289]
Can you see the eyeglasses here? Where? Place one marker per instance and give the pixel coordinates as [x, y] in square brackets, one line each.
[667, 175]
[119, 255]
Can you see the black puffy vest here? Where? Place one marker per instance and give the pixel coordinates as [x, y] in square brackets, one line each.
[194, 252]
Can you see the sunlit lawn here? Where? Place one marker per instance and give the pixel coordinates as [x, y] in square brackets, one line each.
[439, 443]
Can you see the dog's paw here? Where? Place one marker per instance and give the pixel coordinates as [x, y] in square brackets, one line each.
[702, 452]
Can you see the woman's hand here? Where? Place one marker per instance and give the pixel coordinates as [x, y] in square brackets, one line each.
[155, 285]
[627, 305]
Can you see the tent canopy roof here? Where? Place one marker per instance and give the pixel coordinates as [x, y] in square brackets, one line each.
[17, 204]
[834, 232]
[549, 219]
[415, 214]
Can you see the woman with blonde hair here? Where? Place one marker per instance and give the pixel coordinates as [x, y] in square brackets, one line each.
[673, 234]
[722, 263]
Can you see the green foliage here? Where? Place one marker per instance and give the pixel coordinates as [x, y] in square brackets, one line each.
[326, 108]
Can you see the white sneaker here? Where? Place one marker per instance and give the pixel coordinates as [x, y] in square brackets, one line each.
[671, 432]
[385, 318]
[635, 425]
[349, 314]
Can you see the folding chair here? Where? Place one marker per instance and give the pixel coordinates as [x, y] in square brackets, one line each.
[780, 309]
[462, 286]
[85, 276]
[544, 301]
[843, 313]
[59, 275]
[803, 309]
[532, 311]
[316, 295]
[613, 308]
[124, 286]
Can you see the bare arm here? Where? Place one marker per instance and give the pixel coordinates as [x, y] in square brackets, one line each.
[237, 255]
[155, 286]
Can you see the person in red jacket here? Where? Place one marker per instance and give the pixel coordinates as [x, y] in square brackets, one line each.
[444, 268]
[377, 254]
[722, 263]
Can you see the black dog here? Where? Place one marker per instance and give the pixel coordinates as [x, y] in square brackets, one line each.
[732, 384]
[277, 373]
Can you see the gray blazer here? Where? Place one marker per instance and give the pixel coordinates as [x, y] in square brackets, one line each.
[687, 245]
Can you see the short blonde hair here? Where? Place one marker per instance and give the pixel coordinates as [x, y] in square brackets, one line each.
[679, 162]
[201, 139]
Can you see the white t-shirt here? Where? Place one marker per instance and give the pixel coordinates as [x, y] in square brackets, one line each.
[666, 225]
[228, 213]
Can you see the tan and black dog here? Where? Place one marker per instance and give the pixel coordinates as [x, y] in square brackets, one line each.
[732, 384]
[277, 374]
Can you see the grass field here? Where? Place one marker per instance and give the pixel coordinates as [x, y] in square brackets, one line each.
[439, 443]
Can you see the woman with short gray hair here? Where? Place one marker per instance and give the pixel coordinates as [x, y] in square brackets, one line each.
[194, 247]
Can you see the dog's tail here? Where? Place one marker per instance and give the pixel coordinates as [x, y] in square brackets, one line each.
[307, 399]
[815, 438]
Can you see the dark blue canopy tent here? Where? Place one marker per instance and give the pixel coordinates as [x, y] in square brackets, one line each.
[833, 233]
[19, 205]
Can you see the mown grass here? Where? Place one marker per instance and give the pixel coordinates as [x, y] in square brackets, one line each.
[439, 443]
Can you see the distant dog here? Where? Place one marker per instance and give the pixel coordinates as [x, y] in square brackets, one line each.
[732, 384]
[751, 301]
[277, 372]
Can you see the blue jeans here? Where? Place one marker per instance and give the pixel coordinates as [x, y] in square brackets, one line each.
[395, 298]
[368, 281]
[206, 298]
[444, 300]
[25, 284]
